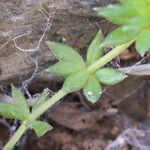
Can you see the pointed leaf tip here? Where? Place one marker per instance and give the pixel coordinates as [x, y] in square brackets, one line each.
[6, 111]
[143, 42]
[65, 52]
[39, 127]
[110, 76]
[20, 103]
[119, 36]
[94, 51]
[64, 68]
[92, 89]
[41, 99]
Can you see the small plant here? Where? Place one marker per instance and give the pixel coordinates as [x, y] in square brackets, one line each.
[134, 25]
[77, 72]
[20, 110]
[133, 18]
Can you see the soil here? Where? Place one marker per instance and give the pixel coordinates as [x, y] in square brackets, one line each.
[123, 112]
[118, 121]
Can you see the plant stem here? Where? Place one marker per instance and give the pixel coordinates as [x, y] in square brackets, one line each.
[60, 94]
[108, 57]
[38, 112]
[21, 130]
[49, 103]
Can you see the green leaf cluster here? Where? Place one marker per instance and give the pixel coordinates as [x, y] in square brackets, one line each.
[19, 109]
[39, 127]
[74, 69]
[132, 16]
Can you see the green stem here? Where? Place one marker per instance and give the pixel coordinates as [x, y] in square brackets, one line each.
[108, 57]
[60, 94]
[54, 99]
[21, 130]
[38, 112]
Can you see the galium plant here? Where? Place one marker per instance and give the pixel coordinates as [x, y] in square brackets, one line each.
[133, 18]
[77, 72]
[134, 26]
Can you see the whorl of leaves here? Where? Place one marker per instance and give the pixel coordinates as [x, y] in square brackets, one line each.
[132, 16]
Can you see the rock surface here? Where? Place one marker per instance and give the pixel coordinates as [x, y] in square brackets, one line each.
[25, 25]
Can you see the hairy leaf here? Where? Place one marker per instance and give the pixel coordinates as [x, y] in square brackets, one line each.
[64, 68]
[42, 98]
[39, 127]
[65, 52]
[136, 4]
[133, 16]
[92, 89]
[6, 111]
[143, 42]
[10, 111]
[19, 113]
[94, 51]
[119, 36]
[117, 14]
[110, 76]
[137, 23]
[75, 81]
[20, 101]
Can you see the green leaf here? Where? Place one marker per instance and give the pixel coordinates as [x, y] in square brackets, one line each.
[138, 23]
[10, 111]
[75, 81]
[64, 52]
[19, 113]
[117, 14]
[129, 2]
[136, 4]
[6, 111]
[20, 101]
[143, 42]
[94, 51]
[110, 76]
[133, 2]
[92, 89]
[119, 36]
[64, 68]
[42, 98]
[133, 16]
[39, 127]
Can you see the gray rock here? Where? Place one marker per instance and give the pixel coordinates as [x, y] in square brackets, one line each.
[25, 25]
